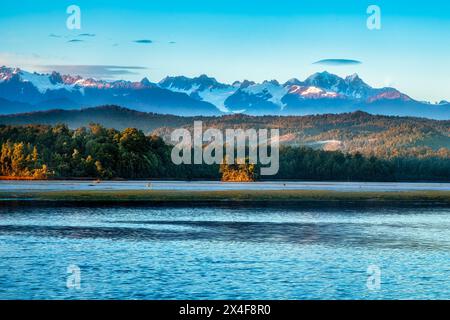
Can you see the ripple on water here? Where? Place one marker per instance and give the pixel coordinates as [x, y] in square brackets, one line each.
[224, 253]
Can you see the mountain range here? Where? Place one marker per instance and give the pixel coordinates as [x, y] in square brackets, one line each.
[320, 93]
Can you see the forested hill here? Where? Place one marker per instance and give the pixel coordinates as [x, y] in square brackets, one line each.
[383, 136]
[108, 116]
[41, 152]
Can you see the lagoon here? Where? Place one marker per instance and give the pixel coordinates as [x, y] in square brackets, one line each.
[140, 252]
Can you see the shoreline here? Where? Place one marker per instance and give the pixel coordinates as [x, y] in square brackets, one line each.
[228, 197]
[28, 179]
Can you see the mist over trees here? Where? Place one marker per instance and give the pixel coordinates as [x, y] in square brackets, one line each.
[380, 136]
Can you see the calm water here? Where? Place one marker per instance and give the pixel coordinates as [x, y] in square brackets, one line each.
[224, 253]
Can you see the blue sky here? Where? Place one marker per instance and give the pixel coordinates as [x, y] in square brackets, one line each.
[235, 40]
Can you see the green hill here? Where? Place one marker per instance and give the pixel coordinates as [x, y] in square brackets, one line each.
[383, 136]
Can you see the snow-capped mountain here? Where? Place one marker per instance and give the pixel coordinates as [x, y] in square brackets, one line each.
[294, 96]
[49, 91]
[201, 88]
[22, 91]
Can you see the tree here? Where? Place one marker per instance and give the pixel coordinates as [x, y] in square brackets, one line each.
[238, 172]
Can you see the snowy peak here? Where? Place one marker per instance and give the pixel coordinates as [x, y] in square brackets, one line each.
[7, 74]
[312, 92]
[246, 83]
[145, 82]
[326, 80]
[56, 78]
[352, 87]
[56, 81]
[355, 82]
[389, 94]
[271, 90]
[293, 81]
[272, 82]
[42, 82]
[352, 78]
[201, 88]
[185, 84]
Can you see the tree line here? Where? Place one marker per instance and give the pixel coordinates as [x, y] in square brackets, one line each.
[41, 151]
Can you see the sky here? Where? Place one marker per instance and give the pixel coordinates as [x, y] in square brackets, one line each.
[235, 40]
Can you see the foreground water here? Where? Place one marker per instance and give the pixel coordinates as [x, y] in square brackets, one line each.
[224, 253]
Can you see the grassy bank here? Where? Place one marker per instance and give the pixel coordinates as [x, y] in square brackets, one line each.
[229, 196]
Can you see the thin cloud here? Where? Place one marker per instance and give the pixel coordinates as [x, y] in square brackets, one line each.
[172, 42]
[86, 35]
[75, 40]
[143, 41]
[26, 61]
[52, 35]
[337, 62]
[93, 71]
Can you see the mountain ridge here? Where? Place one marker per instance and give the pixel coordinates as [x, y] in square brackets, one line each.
[320, 93]
[385, 136]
